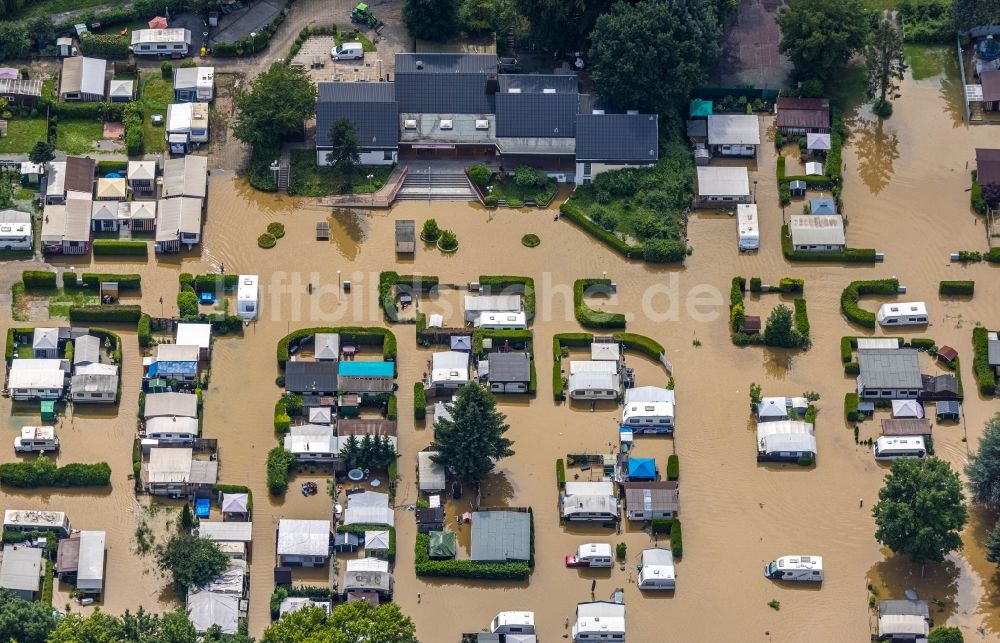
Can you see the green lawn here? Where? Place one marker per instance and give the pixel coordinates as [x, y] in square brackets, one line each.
[153, 136]
[22, 134]
[308, 179]
[157, 92]
[505, 188]
[78, 136]
[927, 61]
[60, 303]
[352, 36]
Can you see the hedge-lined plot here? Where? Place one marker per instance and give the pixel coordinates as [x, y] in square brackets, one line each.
[850, 296]
[587, 316]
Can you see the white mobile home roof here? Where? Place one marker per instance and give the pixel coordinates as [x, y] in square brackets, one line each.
[783, 427]
[142, 36]
[817, 229]
[878, 342]
[168, 404]
[179, 215]
[169, 465]
[508, 318]
[748, 225]
[733, 129]
[21, 568]
[368, 508]
[176, 353]
[889, 624]
[647, 409]
[894, 309]
[311, 438]
[723, 181]
[182, 117]
[185, 176]
[592, 366]
[199, 335]
[592, 381]
[648, 394]
[206, 609]
[605, 352]
[90, 571]
[450, 360]
[600, 616]
[82, 74]
[162, 424]
[590, 488]
[232, 580]
[497, 303]
[303, 537]
[32, 378]
[197, 77]
[226, 531]
[788, 442]
[56, 178]
[431, 473]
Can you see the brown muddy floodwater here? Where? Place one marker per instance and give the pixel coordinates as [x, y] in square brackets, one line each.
[904, 195]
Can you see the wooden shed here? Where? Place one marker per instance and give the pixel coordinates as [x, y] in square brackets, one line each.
[406, 240]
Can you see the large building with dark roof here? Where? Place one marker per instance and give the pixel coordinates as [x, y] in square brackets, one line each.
[609, 141]
[371, 108]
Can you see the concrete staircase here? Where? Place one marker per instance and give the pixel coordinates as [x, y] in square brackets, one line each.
[436, 185]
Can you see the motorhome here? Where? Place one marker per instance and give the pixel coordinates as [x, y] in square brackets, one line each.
[506, 623]
[591, 555]
[649, 417]
[599, 621]
[795, 568]
[896, 446]
[912, 313]
[36, 439]
[35, 520]
[247, 295]
[657, 570]
[749, 229]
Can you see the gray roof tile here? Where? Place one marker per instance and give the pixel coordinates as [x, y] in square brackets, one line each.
[371, 107]
[617, 137]
[445, 83]
[509, 367]
[890, 368]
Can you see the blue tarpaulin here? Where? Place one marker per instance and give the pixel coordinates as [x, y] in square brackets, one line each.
[167, 369]
[202, 507]
[367, 369]
[641, 469]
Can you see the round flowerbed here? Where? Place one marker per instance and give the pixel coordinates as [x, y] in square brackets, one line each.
[530, 241]
[447, 242]
[267, 240]
[276, 230]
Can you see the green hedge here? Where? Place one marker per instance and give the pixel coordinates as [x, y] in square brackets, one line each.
[144, 330]
[110, 247]
[957, 288]
[673, 467]
[641, 344]
[852, 368]
[279, 462]
[847, 349]
[849, 299]
[848, 255]
[587, 316]
[92, 281]
[369, 336]
[11, 537]
[360, 530]
[791, 285]
[976, 200]
[560, 340]
[392, 408]
[676, 541]
[560, 473]
[210, 282]
[921, 343]
[464, 568]
[479, 334]
[48, 582]
[801, 318]
[106, 167]
[576, 215]
[524, 285]
[985, 376]
[419, 401]
[128, 314]
[38, 280]
[851, 401]
[111, 45]
[42, 472]
[661, 526]
[993, 256]
[755, 284]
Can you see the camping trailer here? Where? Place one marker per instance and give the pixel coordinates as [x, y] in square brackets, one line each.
[247, 296]
[591, 555]
[657, 570]
[899, 446]
[902, 314]
[749, 229]
[513, 623]
[36, 439]
[795, 568]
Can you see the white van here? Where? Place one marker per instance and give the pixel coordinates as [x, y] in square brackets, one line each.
[348, 51]
[890, 447]
[795, 568]
[912, 313]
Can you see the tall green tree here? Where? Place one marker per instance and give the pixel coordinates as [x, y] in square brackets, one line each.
[975, 13]
[346, 152]
[820, 36]
[983, 468]
[24, 621]
[191, 561]
[886, 66]
[651, 55]
[15, 41]
[42, 152]
[348, 623]
[479, 16]
[992, 544]
[921, 510]
[563, 26]
[779, 330]
[470, 444]
[431, 19]
[946, 635]
[275, 108]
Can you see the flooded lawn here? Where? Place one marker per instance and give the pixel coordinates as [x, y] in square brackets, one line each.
[904, 195]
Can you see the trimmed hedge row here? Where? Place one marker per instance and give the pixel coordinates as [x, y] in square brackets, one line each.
[849, 299]
[847, 348]
[480, 334]
[450, 568]
[208, 282]
[560, 340]
[91, 281]
[801, 318]
[360, 530]
[966, 288]
[673, 467]
[111, 247]
[526, 286]
[676, 540]
[279, 462]
[661, 526]
[38, 280]
[419, 401]
[851, 413]
[370, 336]
[847, 255]
[128, 314]
[145, 331]
[576, 215]
[42, 472]
[791, 285]
[104, 335]
[560, 473]
[641, 344]
[587, 316]
[986, 379]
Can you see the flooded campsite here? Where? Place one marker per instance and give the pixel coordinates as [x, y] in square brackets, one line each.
[905, 194]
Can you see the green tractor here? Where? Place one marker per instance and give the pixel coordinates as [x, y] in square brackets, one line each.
[363, 16]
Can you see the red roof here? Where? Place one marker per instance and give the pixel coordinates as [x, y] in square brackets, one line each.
[751, 324]
[808, 113]
[947, 354]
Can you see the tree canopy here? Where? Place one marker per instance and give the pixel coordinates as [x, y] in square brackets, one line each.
[983, 469]
[470, 444]
[192, 561]
[276, 107]
[885, 65]
[349, 622]
[431, 19]
[820, 36]
[24, 621]
[346, 152]
[946, 635]
[651, 55]
[921, 510]
[975, 13]
[563, 26]
[42, 152]
[779, 331]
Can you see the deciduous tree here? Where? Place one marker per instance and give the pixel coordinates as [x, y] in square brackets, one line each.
[431, 19]
[275, 107]
[470, 444]
[946, 635]
[191, 561]
[820, 36]
[921, 510]
[349, 622]
[885, 65]
[975, 13]
[992, 544]
[779, 330]
[651, 55]
[24, 621]
[346, 152]
[563, 26]
[983, 469]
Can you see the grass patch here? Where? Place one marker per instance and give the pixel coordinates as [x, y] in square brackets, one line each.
[22, 134]
[157, 92]
[153, 137]
[78, 136]
[355, 36]
[530, 241]
[505, 188]
[62, 301]
[310, 179]
[927, 61]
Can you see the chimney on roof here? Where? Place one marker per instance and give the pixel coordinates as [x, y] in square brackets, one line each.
[419, 64]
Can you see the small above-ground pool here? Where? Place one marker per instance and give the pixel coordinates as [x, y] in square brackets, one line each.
[202, 507]
[355, 475]
[113, 175]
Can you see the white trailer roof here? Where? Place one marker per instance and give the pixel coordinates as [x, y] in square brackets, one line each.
[432, 474]
[496, 303]
[817, 229]
[303, 537]
[370, 508]
[168, 404]
[199, 335]
[895, 309]
[747, 221]
[733, 129]
[592, 366]
[171, 424]
[588, 550]
[647, 409]
[723, 181]
[600, 616]
[231, 531]
[889, 624]
[90, 570]
[649, 394]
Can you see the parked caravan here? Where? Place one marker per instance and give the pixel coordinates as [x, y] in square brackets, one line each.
[36, 439]
[591, 555]
[657, 570]
[749, 228]
[896, 446]
[795, 568]
[912, 313]
[247, 296]
[506, 623]
[502, 321]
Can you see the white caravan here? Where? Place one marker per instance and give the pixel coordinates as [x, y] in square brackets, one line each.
[36, 439]
[247, 296]
[795, 568]
[899, 446]
[912, 313]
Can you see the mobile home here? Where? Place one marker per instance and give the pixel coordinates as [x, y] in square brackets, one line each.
[657, 569]
[795, 568]
[749, 229]
[15, 230]
[513, 623]
[599, 621]
[899, 446]
[36, 439]
[591, 555]
[247, 294]
[502, 321]
[649, 417]
[161, 42]
[785, 441]
[32, 520]
[902, 314]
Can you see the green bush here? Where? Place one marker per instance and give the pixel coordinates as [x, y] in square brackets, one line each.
[447, 241]
[42, 472]
[789, 285]
[851, 413]
[577, 216]
[491, 201]
[985, 376]
[641, 344]
[560, 473]
[430, 230]
[38, 280]
[921, 343]
[276, 230]
[279, 462]
[661, 526]
[976, 200]
[673, 467]
[104, 45]
[852, 368]
[801, 317]
[846, 349]
[113, 313]
[144, 331]
[664, 251]
[419, 401]
[736, 291]
[849, 299]
[110, 247]
[106, 167]
[368, 336]
[530, 241]
[91, 281]
[187, 304]
[587, 316]
[266, 241]
[68, 352]
[360, 530]
[391, 410]
[464, 568]
[755, 284]
[993, 256]
[966, 288]
[676, 542]
[213, 282]
[480, 175]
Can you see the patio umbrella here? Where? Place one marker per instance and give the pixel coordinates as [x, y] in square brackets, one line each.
[159, 22]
